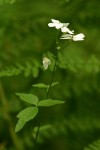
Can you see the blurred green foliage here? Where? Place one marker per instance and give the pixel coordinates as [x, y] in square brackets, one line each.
[2, 2]
[24, 38]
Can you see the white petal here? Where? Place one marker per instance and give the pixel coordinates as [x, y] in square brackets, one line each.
[45, 66]
[65, 24]
[66, 36]
[65, 29]
[46, 62]
[56, 24]
[78, 37]
[59, 25]
[55, 21]
[70, 32]
[51, 24]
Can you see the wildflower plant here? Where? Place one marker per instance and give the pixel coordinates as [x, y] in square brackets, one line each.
[31, 112]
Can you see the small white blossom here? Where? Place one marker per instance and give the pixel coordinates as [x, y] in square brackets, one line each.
[66, 30]
[58, 25]
[68, 33]
[46, 62]
[78, 37]
[55, 23]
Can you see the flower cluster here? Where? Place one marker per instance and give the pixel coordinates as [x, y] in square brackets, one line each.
[64, 29]
[66, 34]
[58, 25]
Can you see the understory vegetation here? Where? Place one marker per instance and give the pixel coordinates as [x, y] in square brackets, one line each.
[25, 39]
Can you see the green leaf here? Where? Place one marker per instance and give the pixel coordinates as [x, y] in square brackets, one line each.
[40, 85]
[24, 116]
[29, 98]
[54, 83]
[19, 125]
[49, 102]
[28, 113]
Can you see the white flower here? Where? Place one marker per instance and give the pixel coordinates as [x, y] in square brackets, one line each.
[55, 23]
[66, 30]
[69, 34]
[46, 62]
[78, 37]
[58, 25]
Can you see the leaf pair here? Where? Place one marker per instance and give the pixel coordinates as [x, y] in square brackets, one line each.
[31, 112]
[33, 99]
[42, 85]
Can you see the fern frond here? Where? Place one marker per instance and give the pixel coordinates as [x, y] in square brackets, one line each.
[94, 146]
[63, 128]
[27, 68]
[49, 131]
[75, 61]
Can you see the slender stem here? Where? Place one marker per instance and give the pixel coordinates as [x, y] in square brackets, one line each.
[37, 133]
[48, 91]
[51, 79]
[57, 41]
[65, 45]
[46, 98]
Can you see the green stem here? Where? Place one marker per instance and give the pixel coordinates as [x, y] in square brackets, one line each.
[51, 79]
[37, 133]
[65, 45]
[57, 42]
[46, 98]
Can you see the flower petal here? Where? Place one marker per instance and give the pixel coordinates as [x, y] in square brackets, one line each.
[65, 24]
[78, 37]
[59, 25]
[55, 21]
[65, 29]
[51, 24]
[66, 36]
[46, 62]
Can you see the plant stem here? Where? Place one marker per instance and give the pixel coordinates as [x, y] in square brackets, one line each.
[46, 98]
[51, 78]
[57, 42]
[65, 45]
